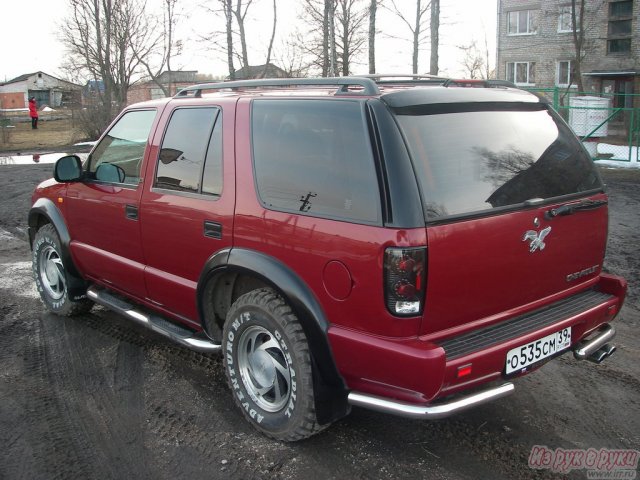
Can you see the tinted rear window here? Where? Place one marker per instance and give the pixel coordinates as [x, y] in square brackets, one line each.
[475, 160]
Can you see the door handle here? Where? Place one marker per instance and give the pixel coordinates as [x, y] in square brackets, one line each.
[131, 212]
[213, 229]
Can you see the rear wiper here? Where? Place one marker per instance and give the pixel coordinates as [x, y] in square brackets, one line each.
[569, 208]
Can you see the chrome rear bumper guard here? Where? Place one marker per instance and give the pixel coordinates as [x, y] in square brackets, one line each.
[430, 412]
[586, 348]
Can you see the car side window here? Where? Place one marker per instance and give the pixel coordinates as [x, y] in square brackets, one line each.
[190, 158]
[122, 149]
[315, 158]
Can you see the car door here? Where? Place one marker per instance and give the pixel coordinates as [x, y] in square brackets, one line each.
[187, 209]
[103, 209]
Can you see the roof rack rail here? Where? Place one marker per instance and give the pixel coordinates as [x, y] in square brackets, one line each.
[379, 76]
[451, 82]
[405, 78]
[368, 85]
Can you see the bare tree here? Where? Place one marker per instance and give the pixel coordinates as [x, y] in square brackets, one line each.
[235, 14]
[580, 17]
[330, 10]
[240, 13]
[228, 16]
[350, 37]
[577, 28]
[476, 60]
[472, 61]
[373, 7]
[291, 58]
[101, 37]
[489, 72]
[335, 35]
[317, 41]
[435, 39]
[160, 48]
[416, 25]
[273, 36]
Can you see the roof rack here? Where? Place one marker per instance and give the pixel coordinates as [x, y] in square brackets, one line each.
[484, 82]
[369, 87]
[405, 78]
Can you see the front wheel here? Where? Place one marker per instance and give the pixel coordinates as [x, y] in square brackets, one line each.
[50, 275]
[268, 366]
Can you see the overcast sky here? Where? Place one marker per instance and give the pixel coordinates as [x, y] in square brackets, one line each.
[29, 36]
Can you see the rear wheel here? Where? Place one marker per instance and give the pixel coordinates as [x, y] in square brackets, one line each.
[50, 275]
[268, 366]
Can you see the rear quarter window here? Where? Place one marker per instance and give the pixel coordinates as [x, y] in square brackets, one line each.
[314, 157]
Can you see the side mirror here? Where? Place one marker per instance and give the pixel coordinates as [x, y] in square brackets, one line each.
[108, 172]
[68, 169]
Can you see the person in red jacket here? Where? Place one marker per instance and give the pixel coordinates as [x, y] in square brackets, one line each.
[33, 112]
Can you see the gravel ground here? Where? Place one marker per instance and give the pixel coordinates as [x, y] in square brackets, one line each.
[98, 397]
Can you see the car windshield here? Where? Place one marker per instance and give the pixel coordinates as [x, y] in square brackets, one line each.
[471, 158]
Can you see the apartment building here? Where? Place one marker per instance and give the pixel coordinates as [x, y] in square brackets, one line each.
[535, 46]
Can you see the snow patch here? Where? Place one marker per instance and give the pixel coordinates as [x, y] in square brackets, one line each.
[37, 158]
[618, 155]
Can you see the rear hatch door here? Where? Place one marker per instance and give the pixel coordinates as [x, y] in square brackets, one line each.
[514, 208]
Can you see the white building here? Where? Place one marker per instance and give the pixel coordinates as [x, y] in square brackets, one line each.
[47, 90]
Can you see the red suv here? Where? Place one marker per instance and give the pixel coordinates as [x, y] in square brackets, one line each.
[404, 247]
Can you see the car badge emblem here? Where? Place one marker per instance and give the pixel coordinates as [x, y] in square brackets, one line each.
[536, 239]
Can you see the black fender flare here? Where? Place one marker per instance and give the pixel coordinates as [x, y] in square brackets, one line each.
[330, 389]
[46, 208]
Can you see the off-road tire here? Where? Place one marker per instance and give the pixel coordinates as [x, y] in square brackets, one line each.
[268, 366]
[49, 273]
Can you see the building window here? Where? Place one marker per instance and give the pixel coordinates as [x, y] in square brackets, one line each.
[522, 22]
[620, 27]
[564, 19]
[521, 73]
[564, 74]
[621, 9]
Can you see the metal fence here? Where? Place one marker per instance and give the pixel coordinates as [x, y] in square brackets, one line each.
[607, 124]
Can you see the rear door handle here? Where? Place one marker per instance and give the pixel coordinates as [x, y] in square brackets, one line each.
[131, 212]
[213, 229]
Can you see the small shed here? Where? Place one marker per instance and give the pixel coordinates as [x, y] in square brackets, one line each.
[47, 89]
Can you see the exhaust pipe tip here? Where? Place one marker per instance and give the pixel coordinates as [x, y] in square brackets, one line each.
[603, 353]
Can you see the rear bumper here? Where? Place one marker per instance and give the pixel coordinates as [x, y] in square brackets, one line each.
[430, 412]
[396, 375]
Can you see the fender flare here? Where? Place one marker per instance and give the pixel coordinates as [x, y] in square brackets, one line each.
[330, 389]
[46, 208]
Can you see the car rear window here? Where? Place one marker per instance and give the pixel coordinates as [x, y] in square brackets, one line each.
[471, 158]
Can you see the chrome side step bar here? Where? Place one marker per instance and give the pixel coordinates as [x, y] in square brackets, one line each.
[586, 348]
[429, 412]
[178, 334]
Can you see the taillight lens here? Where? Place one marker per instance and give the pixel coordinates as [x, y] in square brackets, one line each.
[405, 280]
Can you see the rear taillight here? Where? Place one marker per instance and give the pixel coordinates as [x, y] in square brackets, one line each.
[405, 280]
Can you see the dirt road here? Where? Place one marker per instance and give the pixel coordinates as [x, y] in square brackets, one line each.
[98, 397]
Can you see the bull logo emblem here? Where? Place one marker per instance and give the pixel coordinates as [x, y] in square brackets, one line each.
[536, 239]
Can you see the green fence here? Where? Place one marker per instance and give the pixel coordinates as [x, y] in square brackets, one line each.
[608, 124]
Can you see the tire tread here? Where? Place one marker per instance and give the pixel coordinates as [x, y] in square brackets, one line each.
[274, 303]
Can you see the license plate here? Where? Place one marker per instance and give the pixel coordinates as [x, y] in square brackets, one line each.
[525, 355]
